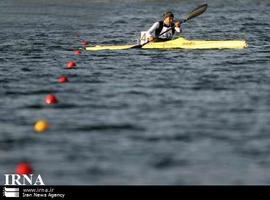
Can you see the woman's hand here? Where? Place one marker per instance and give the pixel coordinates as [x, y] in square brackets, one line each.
[151, 39]
[178, 24]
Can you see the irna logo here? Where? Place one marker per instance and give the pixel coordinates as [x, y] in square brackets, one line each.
[25, 179]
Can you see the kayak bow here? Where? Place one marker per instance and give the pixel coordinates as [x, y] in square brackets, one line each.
[181, 43]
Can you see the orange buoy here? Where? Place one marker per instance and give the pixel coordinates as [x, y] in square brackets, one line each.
[71, 64]
[63, 79]
[24, 168]
[41, 126]
[51, 99]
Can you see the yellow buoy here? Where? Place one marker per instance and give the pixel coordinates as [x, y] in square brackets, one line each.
[41, 126]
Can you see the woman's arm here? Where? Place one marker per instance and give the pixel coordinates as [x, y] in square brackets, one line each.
[150, 34]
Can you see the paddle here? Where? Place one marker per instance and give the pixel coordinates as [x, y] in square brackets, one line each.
[194, 13]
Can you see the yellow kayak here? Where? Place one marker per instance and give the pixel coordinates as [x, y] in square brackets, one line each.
[181, 43]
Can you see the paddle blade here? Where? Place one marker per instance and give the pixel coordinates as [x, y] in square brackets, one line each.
[196, 12]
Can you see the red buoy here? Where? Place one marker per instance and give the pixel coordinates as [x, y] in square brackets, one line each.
[85, 42]
[24, 168]
[71, 64]
[63, 79]
[51, 99]
[77, 52]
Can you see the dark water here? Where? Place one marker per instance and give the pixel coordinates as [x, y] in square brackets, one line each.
[135, 117]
